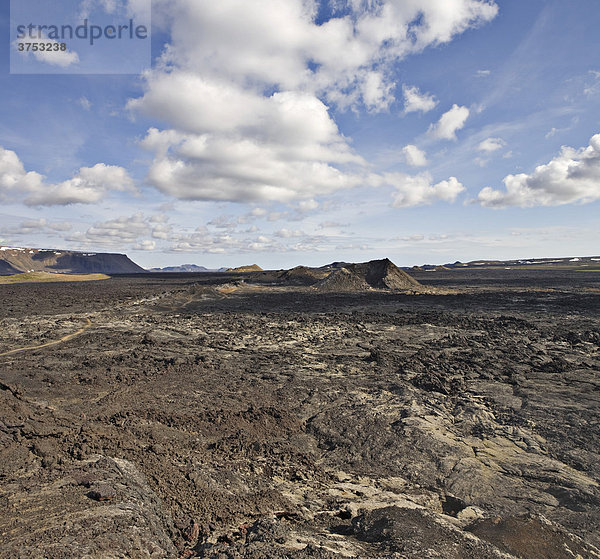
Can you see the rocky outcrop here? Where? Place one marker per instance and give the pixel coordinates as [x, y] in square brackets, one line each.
[376, 274]
[301, 275]
[55, 505]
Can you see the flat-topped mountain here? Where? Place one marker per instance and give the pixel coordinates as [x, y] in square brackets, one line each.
[18, 260]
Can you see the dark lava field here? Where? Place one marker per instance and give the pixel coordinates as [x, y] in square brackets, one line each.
[204, 415]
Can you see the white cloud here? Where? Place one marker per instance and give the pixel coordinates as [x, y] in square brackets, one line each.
[136, 231]
[85, 103]
[87, 7]
[331, 225]
[490, 145]
[571, 177]
[449, 123]
[224, 222]
[289, 234]
[419, 190]
[226, 139]
[57, 57]
[146, 245]
[482, 73]
[377, 92]
[414, 156]
[593, 87]
[61, 58]
[161, 231]
[284, 241]
[308, 205]
[415, 101]
[13, 177]
[37, 226]
[117, 232]
[140, 10]
[413, 238]
[275, 148]
[88, 185]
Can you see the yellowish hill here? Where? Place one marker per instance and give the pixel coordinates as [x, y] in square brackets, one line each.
[46, 277]
[252, 268]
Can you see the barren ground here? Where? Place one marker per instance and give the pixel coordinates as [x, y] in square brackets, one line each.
[198, 416]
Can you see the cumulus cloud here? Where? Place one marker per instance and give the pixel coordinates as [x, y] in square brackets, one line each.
[63, 59]
[118, 232]
[224, 222]
[147, 245]
[60, 58]
[284, 241]
[36, 226]
[414, 156]
[88, 185]
[238, 147]
[415, 101]
[419, 190]
[573, 176]
[308, 205]
[14, 178]
[288, 233]
[246, 90]
[161, 230]
[490, 145]
[203, 241]
[449, 123]
[377, 92]
[138, 231]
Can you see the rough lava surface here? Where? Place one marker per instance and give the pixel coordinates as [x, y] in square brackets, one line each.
[209, 416]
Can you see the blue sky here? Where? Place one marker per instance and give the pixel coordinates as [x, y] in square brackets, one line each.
[293, 132]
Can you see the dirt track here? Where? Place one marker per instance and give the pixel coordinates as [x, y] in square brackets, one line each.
[278, 423]
[65, 338]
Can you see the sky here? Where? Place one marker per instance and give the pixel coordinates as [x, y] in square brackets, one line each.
[287, 132]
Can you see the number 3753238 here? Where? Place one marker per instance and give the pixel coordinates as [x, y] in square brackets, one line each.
[42, 47]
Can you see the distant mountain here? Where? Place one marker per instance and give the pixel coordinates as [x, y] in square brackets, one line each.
[558, 263]
[15, 260]
[187, 268]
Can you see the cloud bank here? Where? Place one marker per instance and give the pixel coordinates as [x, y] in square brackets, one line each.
[573, 176]
[248, 90]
